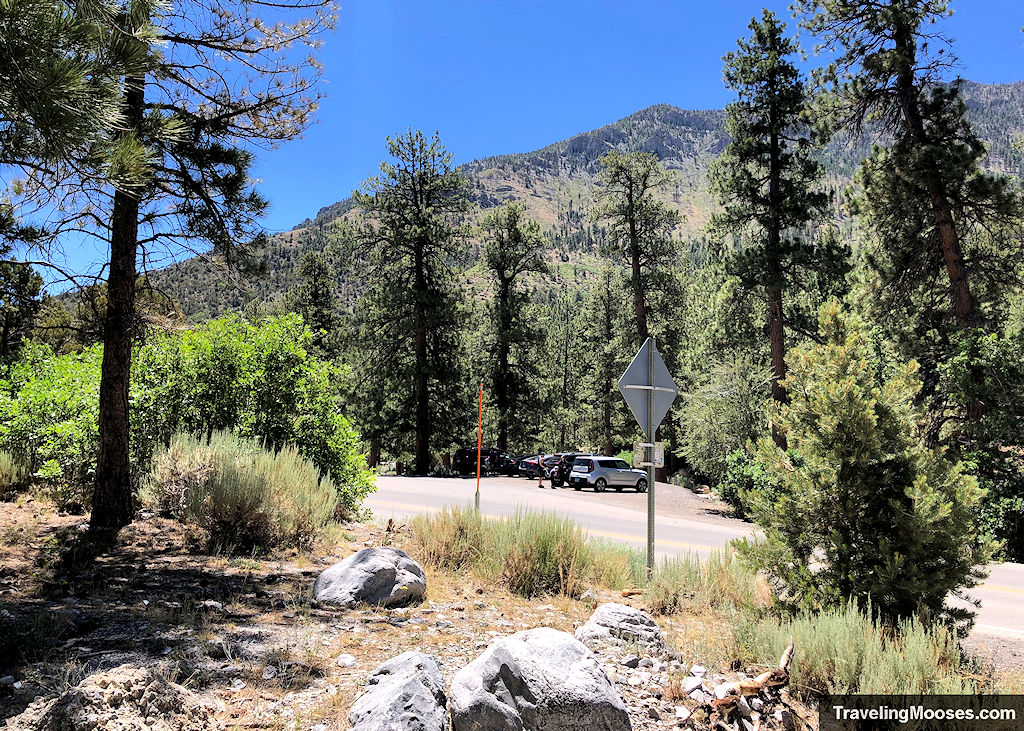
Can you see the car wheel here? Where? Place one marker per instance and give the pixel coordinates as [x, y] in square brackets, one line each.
[641, 485]
[600, 485]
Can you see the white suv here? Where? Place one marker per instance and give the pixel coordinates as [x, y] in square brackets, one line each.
[604, 472]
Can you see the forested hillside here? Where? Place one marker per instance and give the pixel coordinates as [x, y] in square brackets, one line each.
[558, 184]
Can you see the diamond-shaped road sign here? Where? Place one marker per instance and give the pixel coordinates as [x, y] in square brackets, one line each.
[645, 374]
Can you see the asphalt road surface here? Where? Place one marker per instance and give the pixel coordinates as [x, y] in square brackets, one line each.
[685, 523]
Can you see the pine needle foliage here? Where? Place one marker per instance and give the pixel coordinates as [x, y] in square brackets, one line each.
[864, 510]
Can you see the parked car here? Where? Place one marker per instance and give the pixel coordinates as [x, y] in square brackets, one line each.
[528, 466]
[491, 460]
[511, 466]
[559, 474]
[601, 473]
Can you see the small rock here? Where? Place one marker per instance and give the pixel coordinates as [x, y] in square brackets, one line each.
[211, 604]
[237, 684]
[345, 661]
[683, 713]
[691, 684]
[701, 697]
[647, 663]
[757, 704]
[443, 624]
[619, 624]
[630, 661]
[652, 712]
[698, 671]
[635, 680]
[269, 672]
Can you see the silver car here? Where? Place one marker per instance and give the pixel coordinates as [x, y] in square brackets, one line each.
[601, 473]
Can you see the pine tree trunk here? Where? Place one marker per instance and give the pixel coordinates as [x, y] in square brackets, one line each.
[777, 349]
[112, 494]
[422, 394]
[776, 323]
[942, 211]
[639, 296]
[501, 381]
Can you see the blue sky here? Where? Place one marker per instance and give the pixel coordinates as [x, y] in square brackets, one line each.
[501, 77]
[513, 76]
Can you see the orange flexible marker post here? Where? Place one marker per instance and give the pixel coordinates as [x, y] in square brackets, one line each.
[479, 446]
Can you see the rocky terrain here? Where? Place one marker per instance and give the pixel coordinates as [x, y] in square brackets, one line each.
[151, 634]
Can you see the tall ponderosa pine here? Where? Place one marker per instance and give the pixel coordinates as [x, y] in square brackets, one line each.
[200, 85]
[925, 192]
[639, 224]
[314, 298]
[514, 247]
[413, 238]
[604, 315]
[768, 180]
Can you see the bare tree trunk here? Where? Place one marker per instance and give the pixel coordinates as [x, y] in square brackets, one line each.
[776, 323]
[112, 494]
[639, 296]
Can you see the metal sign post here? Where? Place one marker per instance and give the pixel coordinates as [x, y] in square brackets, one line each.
[649, 391]
[479, 448]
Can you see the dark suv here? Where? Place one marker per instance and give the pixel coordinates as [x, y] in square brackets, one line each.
[491, 460]
[559, 473]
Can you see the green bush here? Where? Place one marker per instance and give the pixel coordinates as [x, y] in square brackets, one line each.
[743, 477]
[259, 380]
[867, 512]
[531, 553]
[49, 410]
[725, 412]
[842, 650]
[243, 495]
[686, 582]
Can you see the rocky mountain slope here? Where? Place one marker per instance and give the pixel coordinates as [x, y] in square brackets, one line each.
[558, 184]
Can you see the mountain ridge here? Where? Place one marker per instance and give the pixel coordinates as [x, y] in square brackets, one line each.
[558, 185]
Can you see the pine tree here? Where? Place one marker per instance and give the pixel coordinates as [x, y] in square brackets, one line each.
[924, 192]
[314, 298]
[201, 85]
[640, 225]
[768, 180]
[859, 507]
[514, 247]
[607, 358]
[413, 238]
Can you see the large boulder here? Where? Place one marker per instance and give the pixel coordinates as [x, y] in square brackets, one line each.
[382, 576]
[406, 693]
[618, 624]
[125, 698]
[538, 680]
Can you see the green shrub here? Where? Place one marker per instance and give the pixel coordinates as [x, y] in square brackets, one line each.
[686, 582]
[725, 412]
[259, 380]
[868, 511]
[49, 407]
[243, 495]
[531, 553]
[743, 476]
[842, 650]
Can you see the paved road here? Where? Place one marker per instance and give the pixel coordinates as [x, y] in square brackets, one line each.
[685, 523]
